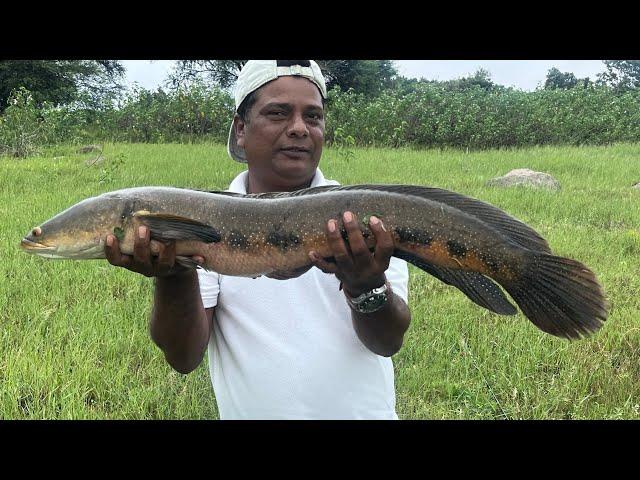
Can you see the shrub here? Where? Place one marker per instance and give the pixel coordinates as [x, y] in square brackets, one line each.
[431, 115]
[424, 114]
[195, 112]
[23, 129]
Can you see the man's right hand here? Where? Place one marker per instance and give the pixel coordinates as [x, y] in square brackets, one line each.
[150, 258]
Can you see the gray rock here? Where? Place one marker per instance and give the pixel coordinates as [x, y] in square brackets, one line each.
[525, 177]
[89, 148]
[94, 160]
[637, 186]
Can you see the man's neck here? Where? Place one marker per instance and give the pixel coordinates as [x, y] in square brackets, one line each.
[256, 186]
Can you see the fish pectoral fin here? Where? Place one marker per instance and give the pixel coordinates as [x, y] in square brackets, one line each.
[173, 227]
[189, 263]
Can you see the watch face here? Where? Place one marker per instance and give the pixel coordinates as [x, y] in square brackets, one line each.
[373, 303]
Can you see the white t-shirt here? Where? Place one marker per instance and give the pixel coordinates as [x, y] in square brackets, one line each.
[287, 349]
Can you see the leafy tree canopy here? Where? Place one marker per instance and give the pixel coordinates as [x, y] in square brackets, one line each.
[481, 78]
[363, 76]
[60, 82]
[223, 73]
[557, 79]
[622, 75]
[563, 80]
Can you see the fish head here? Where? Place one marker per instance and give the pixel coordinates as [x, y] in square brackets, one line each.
[80, 231]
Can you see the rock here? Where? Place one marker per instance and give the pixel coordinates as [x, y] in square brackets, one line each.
[637, 186]
[525, 177]
[89, 148]
[94, 160]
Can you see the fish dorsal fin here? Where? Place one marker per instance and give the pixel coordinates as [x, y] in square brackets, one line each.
[219, 192]
[509, 226]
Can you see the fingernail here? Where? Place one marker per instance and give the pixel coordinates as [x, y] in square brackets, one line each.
[348, 217]
[376, 221]
[109, 241]
[142, 232]
[332, 226]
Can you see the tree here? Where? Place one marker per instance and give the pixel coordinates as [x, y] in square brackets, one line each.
[369, 77]
[559, 80]
[406, 86]
[60, 82]
[622, 75]
[223, 73]
[364, 76]
[563, 81]
[481, 78]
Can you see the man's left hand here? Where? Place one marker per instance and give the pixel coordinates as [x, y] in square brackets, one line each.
[355, 265]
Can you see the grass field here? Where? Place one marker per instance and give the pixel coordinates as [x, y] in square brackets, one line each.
[74, 340]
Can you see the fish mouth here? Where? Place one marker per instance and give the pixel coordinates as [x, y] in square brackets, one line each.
[31, 246]
[47, 251]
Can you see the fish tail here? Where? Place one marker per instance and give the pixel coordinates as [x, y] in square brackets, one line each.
[560, 296]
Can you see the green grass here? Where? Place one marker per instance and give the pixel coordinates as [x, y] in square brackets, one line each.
[74, 339]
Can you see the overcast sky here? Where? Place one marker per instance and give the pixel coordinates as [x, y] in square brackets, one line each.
[522, 74]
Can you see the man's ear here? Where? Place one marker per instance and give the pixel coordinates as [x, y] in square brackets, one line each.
[239, 128]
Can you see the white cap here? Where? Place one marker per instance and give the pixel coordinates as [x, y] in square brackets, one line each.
[255, 74]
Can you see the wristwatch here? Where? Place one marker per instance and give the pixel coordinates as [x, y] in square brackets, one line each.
[370, 301]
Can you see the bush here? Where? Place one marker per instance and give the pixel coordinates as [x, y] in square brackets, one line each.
[23, 129]
[423, 114]
[194, 113]
[431, 115]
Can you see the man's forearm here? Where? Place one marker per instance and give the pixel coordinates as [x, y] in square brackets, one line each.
[178, 323]
[383, 331]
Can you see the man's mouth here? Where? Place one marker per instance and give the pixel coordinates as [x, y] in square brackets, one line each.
[296, 149]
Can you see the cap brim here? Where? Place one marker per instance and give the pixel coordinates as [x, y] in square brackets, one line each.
[233, 149]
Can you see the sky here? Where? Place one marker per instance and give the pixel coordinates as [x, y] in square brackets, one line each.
[522, 74]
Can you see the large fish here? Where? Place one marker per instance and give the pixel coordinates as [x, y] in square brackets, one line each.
[461, 241]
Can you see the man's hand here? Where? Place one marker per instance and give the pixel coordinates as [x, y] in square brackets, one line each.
[359, 270]
[356, 267]
[150, 258]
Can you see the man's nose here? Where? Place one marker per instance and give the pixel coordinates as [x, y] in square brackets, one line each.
[298, 127]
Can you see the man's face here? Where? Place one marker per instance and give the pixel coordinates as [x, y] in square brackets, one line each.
[284, 132]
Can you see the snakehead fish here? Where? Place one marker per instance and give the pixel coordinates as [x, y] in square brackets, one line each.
[461, 241]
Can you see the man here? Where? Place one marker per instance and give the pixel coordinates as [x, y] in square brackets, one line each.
[298, 348]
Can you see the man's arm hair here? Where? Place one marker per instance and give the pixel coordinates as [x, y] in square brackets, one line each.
[383, 331]
[180, 325]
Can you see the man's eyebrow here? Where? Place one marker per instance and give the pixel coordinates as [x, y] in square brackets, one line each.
[287, 106]
[276, 104]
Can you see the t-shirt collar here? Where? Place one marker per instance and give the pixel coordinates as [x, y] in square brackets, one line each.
[239, 184]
